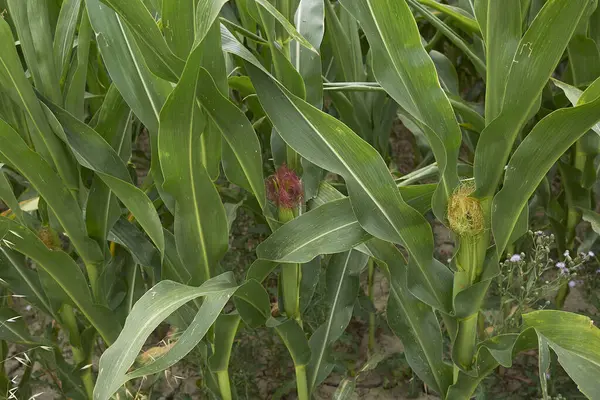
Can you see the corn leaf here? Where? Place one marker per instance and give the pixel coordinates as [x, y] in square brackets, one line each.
[342, 290]
[503, 36]
[13, 81]
[201, 230]
[576, 342]
[378, 205]
[52, 189]
[536, 57]
[93, 152]
[32, 21]
[532, 160]
[178, 26]
[159, 58]
[328, 229]
[414, 85]
[65, 34]
[147, 313]
[239, 135]
[64, 271]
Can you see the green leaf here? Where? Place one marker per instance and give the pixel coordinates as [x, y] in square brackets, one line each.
[144, 92]
[537, 54]
[207, 11]
[414, 85]
[575, 340]
[286, 24]
[544, 364]
[142, 250]
[35, 34]
[309, 21]
[226, 328]
[452, 36]
[252, 303]
[412, 321]
[294, 339]
[114, 124]
[13, 328]
[201, 229]
[159, 58]
[23, 281]
[460, 16]
[498, 350]
[63, 270]
[593, 218]
[531, 161]
[65, 34]
[210, 56]
[75, 86]
[14, 82]
[328, 229]
[147, 313]
[204, 319]
[342, 290]
[238, 133]
[93, 152]
[52, 189]
[178, 26]
[502, 40]
[377, 203]
[7, 195]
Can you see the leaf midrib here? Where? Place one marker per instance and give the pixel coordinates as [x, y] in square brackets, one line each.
[329, 322]
[315, 238]
[193, 187]
[375, 201]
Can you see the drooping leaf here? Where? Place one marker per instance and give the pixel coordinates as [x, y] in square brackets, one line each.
[414, 85]
[63, 270]
[498, 350]
[342, 290]
[93, 152]
[412, 321]
[15, 83]
[534, 60]
[531, 161]
[452, 36]
[330, 228]
[286, 24]
[52, 189]
[238, 133]
[575, 340]
[460, 16]
[159, 58]
[22, 280]
[155, 306]
[377, 203]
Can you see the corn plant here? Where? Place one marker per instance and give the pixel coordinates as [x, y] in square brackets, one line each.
[284, 108]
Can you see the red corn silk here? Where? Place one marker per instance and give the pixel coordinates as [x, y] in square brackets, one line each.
[284, 188]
